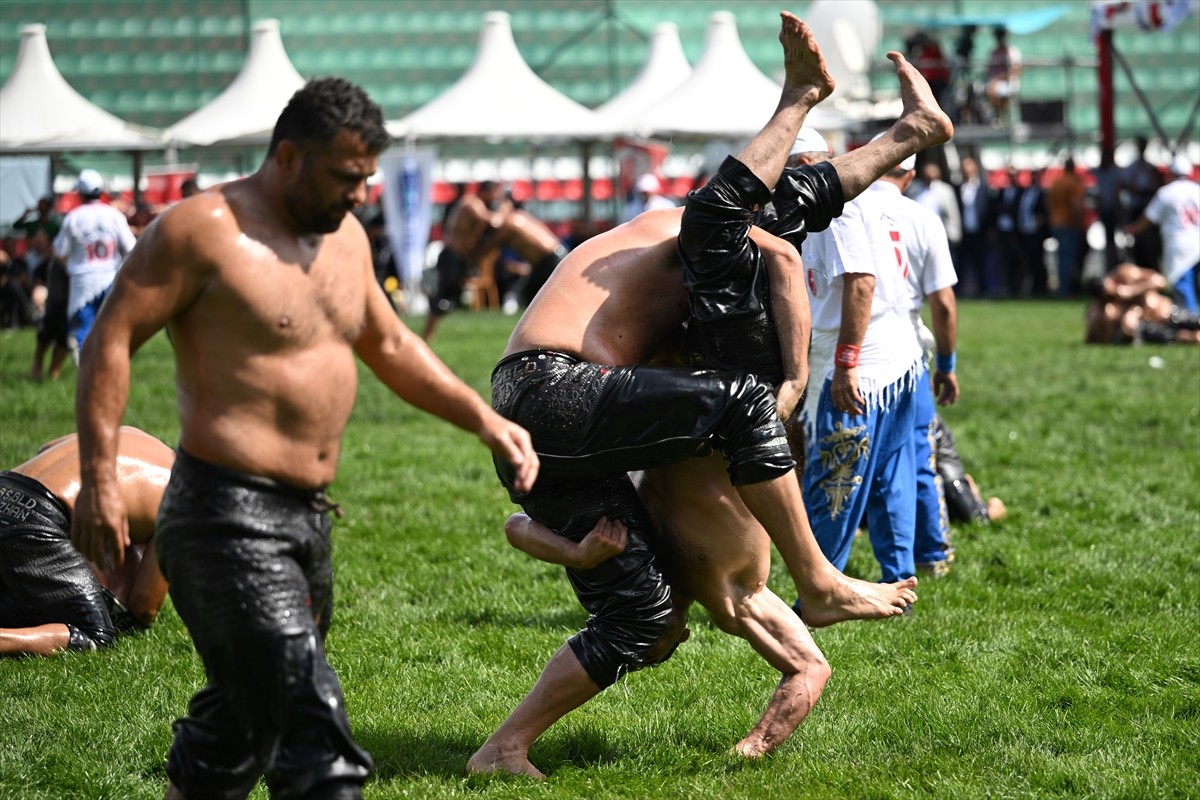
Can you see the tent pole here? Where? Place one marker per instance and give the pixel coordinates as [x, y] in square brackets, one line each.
[137, 177]
[585, 153]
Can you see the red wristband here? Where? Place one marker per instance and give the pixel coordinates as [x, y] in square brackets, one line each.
[847, 355]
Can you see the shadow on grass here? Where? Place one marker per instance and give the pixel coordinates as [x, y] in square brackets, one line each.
[565, 618]
[401, 755]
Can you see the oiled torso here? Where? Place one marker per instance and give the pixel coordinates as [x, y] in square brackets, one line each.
[266, 375]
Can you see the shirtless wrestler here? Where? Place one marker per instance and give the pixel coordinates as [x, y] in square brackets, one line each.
[472, 217]
[615, 301]
[535, 244]
[51, 598]
[267, 288]
[1133, 305]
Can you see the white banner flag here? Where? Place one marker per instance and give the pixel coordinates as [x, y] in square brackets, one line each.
[1147, 15]
[408, 210]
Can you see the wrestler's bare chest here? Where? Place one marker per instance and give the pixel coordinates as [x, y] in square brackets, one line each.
[288, 297]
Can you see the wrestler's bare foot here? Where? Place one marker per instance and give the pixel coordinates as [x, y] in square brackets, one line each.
[806, 79]
[490, 759]
[793, 699]
[922, 119]
[850, 598]
[996, 509]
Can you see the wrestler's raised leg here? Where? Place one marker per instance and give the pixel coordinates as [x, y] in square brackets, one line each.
[826, 595]
[922, 124]
[806, 82]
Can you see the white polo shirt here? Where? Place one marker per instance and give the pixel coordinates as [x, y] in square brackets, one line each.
[1175, 208]
[866, 238]
[93, 241]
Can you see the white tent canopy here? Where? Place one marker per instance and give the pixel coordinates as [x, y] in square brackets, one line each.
[41, 112]
[499, 97]
[665, 70]
[726, 97]
[246, 112]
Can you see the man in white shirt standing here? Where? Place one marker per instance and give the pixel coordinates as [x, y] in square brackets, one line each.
[865, 362]
[1175, 209]
[94, 239]
[931, 277]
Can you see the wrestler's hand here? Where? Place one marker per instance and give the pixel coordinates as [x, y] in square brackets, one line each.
[511, 442]
[604, 541]
[945, 387]
[844, 391]
[788, 397]
[100, 524]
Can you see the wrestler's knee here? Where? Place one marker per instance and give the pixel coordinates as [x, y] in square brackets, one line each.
[755, 444]
[674, 634]
[628, 638]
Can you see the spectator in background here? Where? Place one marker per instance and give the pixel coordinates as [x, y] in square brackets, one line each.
[924, 52]
[94, 239]
[1064, 210]
[40, 217]
[189, 188]
[15, 302]
[387, 271]
[1008, 203]
[143, 214]
[1139, 181]
[1032, 232]
[1175, 209]
[648, 196]
[976, 204]
[1003, 77]
[939, 197]
[53, 284]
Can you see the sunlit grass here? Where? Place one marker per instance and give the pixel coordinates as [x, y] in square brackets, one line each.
[1058, 659]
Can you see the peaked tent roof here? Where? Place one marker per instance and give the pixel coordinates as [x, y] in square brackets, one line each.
[41, 112]
[245, 113]
[727, 97]
[500, 97]
[665, 70]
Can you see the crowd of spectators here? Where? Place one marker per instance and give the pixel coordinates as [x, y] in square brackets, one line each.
[1024, 233]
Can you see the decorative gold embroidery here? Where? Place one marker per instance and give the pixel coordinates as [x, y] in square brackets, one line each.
[840, 452]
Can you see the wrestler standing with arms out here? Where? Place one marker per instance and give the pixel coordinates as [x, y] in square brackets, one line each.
[617, 300]
[267, 288]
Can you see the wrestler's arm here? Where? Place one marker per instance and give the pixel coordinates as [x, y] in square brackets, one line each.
[1147, 281]
[943, 311]
[159, 279]
[406, 365]
[40, 640]
[533, 538]
[148, 589]
[858, 291]
[793, 317]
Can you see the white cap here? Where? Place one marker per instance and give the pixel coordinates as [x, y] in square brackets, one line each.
[1181, 166]
[908, 164]
[90, 182]
[809, 141]
[648, 182]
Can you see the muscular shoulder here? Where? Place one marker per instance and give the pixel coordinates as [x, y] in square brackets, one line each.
[192, 224]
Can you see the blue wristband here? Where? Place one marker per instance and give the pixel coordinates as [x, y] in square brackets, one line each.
[945, 363]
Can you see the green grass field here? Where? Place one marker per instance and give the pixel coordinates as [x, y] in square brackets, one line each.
[1058, 659]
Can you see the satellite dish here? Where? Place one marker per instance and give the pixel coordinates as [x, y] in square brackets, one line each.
[848, 32]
